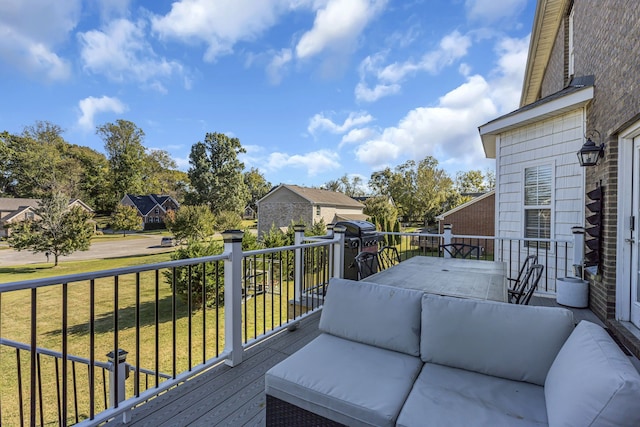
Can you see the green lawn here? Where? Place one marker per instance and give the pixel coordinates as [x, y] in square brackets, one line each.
[15, 321]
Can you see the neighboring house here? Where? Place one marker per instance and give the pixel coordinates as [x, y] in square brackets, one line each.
[18, 209]
[152, 208]
[581, 80]
[249, 213]
[474, 218]
[287, 203]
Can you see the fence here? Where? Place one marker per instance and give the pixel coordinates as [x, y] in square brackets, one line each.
[160, 324]
[164, 323]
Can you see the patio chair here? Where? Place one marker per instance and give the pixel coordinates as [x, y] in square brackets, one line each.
[528, 285]
[461, 250]
[388, 256]
[367, 264]
[513, 289]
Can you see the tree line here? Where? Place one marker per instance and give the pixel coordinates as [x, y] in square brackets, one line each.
[39, 162]
[420, 191]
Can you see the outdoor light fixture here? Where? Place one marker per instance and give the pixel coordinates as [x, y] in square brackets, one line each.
[590, 153]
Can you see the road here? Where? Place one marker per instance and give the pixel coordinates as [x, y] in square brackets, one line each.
[108, 248]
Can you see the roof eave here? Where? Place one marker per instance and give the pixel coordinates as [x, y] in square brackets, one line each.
[491, 130]
[546, 23]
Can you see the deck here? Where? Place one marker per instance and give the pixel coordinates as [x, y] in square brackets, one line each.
[224, 396]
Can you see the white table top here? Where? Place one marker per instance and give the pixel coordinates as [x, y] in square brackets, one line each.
[447, 276]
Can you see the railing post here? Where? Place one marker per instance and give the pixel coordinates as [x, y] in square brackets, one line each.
[118, 382]
[338, 251]
[299, 262]
[578, 251]
[233, 296]
[447, 239]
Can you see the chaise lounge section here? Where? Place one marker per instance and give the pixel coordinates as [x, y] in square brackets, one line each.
[397, 357]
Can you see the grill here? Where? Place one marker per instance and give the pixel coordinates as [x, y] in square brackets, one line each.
[359, 236]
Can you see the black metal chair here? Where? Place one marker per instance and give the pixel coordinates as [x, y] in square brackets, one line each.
[388, 256]
[514, 283]
[528, 285]
[367, 264]
[461, 250]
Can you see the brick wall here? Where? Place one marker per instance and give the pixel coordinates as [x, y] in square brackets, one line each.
[606, 45]
[477, 219]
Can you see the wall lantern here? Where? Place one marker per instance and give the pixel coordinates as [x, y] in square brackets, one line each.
[590, 153]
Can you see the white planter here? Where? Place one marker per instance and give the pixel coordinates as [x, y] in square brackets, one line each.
[572, 292]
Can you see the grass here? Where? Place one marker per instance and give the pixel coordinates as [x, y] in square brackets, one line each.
[15, 320]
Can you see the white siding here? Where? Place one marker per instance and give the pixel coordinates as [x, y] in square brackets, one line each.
[554, 141]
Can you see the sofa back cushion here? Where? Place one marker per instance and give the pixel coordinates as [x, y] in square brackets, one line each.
[592, 382]
[369, 313]
[510, 341]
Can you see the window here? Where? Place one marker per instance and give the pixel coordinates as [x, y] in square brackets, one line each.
[157, 211]
[537, 204]
[318, 210]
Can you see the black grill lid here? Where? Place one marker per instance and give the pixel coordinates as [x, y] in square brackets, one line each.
[356, 228]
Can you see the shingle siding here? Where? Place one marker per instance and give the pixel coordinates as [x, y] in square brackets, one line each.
[606, 45]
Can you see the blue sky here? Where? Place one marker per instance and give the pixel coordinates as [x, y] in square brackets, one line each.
[314, 89]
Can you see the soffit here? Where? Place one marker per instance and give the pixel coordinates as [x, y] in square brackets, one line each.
[547, 21]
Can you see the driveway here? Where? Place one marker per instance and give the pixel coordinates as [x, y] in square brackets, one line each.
[125, 246]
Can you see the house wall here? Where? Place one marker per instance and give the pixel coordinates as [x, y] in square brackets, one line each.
[553, 141]
[606, 45]
[282, 207]
[477, 219]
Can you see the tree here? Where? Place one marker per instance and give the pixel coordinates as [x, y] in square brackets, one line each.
[201, 280]
[125, 218]
[126, 154]
[59, 231]
[419, 189]
[257, 186]
[228, 220]
[379, 207]
[191, 223]
[352, 187]
[474, 181]
[216, 174]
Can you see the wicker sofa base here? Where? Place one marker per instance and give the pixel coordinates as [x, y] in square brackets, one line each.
[281, 413]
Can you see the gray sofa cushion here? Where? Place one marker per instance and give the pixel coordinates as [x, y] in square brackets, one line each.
[374, 314]
[504, 340]
[444, 396]
[592, 382]
[349, 382]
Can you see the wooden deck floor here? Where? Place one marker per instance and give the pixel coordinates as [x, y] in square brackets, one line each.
[225, 396]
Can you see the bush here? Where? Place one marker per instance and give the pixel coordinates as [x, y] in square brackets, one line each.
[182, 275]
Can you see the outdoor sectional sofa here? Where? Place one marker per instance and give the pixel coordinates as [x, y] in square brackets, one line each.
[390, 356]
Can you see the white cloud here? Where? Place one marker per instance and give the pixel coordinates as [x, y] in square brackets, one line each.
[276, 67]
[219, 24]
[449, 130]
[91, 106]
[490, 11]
[387, 78]
[121, 53]
[357, 135]
[337, 26]
[316, 163]
[321, 122]
[31, 30]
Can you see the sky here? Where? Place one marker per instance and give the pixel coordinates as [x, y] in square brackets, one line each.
[313, 89]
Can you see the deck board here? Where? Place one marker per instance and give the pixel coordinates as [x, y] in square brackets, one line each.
[228, 396]
[224, 395]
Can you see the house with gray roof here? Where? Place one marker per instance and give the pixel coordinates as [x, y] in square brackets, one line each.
[287, 203]
[151, 208]
[19, 209]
